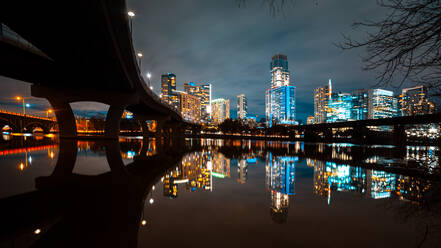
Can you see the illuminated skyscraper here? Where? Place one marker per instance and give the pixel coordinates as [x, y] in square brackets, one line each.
[322, 97]
[280, 98]
[339, 108]
[279, 71]
[190, 107]
[242, 107]
[220, 110]
[202, 91]
[382, 104]
[360, 104]
[414, 101]
[168, 89]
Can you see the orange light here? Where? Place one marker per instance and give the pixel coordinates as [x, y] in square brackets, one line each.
[49, 110]
[21, 167]
[18, 98]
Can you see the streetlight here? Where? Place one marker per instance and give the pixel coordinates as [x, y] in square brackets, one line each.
[139, 59]
[19, 98]
[131, 15]
[49, 111]
[149, 76]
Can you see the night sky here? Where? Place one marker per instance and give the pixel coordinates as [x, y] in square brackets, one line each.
[230, 47]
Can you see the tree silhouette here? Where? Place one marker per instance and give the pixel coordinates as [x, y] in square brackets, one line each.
[406, 44]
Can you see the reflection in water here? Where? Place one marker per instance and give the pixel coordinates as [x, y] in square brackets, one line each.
[280, 179]
[69, 209]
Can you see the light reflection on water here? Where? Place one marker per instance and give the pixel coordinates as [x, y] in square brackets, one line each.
[248, 187]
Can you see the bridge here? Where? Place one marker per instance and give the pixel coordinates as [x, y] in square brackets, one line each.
[359, 129]
[25, 123]
[76, 52]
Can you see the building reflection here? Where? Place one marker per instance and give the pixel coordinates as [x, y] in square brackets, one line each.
[280, 180]
[330, 177]
[196, 172]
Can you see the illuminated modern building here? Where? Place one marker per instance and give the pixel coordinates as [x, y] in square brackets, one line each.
[190, 107]
[279, 71]
[382, 104]
[280, 179]
[168, 89]
[280, 98]
[202, 91]
[322, 97]
[310, 120]
[360, 104]
[339, 108]
[220, 110]
[242, 107]
[414, 101]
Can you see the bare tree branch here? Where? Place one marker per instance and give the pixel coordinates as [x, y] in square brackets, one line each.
[405, 45]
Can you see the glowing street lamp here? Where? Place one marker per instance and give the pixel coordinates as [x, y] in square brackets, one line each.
[139, 54]
[49, 111]
[19, 98]
[131, 15]
[149, 76]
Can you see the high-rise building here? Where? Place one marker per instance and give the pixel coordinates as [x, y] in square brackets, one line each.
[322, 97]
[382, 104]
[360, 104]
[279, 71]
[190, 107]
[280, 98]
[220, 110]
[310, 120]
[202, 91]
[242, 107]
[414, 101]
[168, 89]
[339, 108]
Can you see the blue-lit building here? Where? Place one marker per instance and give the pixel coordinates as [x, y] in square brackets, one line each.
[281, 105]
[360, 104]
[280, 98]
[339, 107]
[382, 104]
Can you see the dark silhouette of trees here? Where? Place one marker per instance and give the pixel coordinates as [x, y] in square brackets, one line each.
[405, 45]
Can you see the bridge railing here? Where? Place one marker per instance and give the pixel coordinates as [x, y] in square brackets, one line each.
[8, 35]
[28, 116]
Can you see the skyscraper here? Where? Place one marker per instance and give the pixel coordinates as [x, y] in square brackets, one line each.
[280, 98]
[202, 91]
[279, 71]
[339, 108]
[220, 110]
[242, 107]
[168, 89]
[382, 104]
[190, 107]
[360, 104]
[322, 97]
[414, 101]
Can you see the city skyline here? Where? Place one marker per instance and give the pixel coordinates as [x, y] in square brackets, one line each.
[242, 67]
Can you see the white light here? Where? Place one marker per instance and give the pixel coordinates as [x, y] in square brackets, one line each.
[131, 13]
[209, 109]
[27, 105]
[151, 87]
[143, 222]
[149, 75]
[153, 187]
[139, 54]
[37, 231]
[151, 201]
